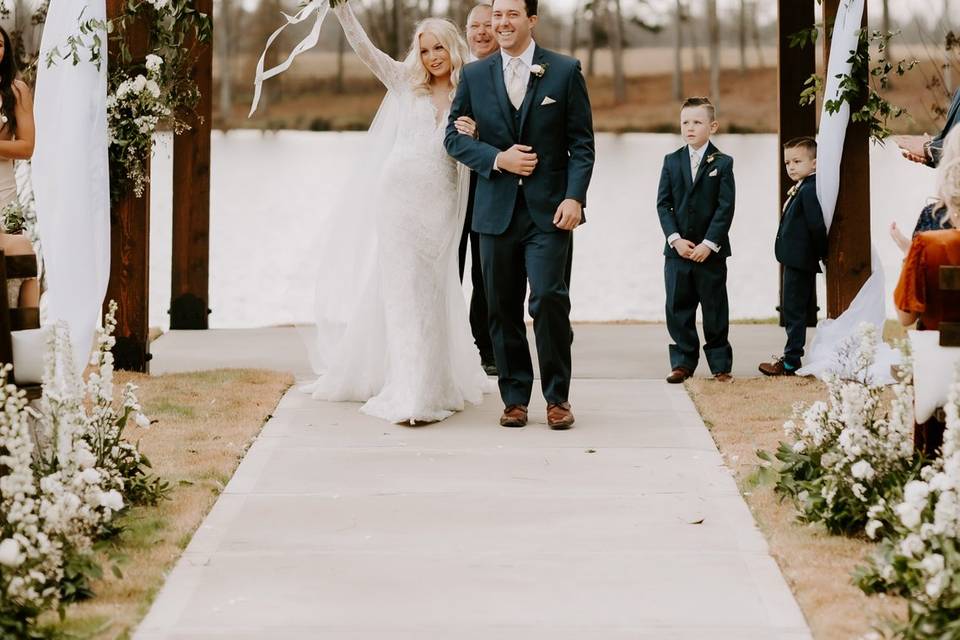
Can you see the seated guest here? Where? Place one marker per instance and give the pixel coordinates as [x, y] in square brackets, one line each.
[934, 216]
[16, 143]
[918, 296]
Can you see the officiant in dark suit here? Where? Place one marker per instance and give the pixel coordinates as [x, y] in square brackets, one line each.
[534, 158]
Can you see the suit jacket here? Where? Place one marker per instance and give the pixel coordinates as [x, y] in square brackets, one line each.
[560, 132]
[697, 207]
[953, 116]
[802, 236]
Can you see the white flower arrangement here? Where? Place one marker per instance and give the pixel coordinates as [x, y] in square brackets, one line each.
[920, 559]
[845, 456]
[64, 473]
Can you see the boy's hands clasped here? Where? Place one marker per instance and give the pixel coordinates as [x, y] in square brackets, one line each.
[690, 251]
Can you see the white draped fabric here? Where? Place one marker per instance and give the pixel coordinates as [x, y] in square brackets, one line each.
[71, 177]
[869, 305]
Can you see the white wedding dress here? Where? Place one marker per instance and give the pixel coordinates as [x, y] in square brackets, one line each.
[392, 326]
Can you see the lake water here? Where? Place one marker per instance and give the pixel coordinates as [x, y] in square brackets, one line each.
[267, 190]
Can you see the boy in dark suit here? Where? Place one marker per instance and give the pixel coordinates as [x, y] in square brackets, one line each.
[801, 244]
[695, 203]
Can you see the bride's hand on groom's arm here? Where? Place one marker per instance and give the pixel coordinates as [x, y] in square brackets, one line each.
[466, 126]
[568, 215]
[518, 159]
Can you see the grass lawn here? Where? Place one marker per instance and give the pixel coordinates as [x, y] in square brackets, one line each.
[205, 422]
[746, 416]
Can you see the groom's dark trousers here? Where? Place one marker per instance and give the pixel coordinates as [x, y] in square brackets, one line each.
[519, 244]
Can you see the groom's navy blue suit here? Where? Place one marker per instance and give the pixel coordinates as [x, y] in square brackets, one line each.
[514, 215]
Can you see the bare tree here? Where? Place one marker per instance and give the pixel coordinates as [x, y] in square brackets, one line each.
[742, 36]
[713, 34]
[615, 25]
[225, 53]
[678, 53]
[596, 33]
[947, 63]
[574, 24]
[885, 27]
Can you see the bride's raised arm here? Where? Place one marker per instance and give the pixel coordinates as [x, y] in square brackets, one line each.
[387, 70]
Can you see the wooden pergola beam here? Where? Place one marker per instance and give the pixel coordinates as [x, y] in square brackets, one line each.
[190, 264]
[129, 281]
[848, 260]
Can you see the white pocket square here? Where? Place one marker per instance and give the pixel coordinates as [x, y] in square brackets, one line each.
[547, 100]
[712, 173]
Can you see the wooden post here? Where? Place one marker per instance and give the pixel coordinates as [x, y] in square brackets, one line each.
[191, 202]
[848, 261]
[130, 245]
[794, 66]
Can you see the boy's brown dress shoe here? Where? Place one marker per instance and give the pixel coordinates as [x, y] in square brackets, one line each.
[776, 368]
[678, 375]
[723, 377]
[559, 416]
[514, 415]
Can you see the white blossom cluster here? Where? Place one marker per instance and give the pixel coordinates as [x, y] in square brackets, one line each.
[60, 482]
[922, 557]
[859, 441]
[134, 109]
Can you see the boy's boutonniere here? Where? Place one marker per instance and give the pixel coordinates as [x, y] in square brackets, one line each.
[538, 69]
[792, 191]
[713, 156]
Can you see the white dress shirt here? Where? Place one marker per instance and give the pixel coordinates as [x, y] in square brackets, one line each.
[527, 59]
[694, 166]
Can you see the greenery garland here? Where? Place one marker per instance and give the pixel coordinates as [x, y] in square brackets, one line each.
[143, 95]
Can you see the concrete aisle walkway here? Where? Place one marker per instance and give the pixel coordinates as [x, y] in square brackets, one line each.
[337, 525]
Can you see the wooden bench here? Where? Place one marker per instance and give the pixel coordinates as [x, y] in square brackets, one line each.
[928, 436]
[16, 318]
[950, 289]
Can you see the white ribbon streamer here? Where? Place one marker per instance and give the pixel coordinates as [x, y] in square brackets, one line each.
[869, 304]
[320, 7]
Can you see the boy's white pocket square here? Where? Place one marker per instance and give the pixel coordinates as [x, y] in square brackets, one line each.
[547, 100]
[712, 173]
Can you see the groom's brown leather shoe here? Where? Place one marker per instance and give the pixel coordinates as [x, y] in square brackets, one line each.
[514, 415]
[559, 416]
[678, 375]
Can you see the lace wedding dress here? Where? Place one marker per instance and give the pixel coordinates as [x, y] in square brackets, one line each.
[392, 326]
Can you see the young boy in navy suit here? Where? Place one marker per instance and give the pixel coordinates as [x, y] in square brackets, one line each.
[801, 244]
[695, 203]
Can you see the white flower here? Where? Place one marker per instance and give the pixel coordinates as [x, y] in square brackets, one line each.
[153, 62]
[911, 546]
[85, 459]
[10, 555]
[90, 476]
[153, 88]
[141, 420]
[799, 446]
[538, 70]
[872, 527]
[139, 84]
[933, 564]
[112, 500]
[862, 470]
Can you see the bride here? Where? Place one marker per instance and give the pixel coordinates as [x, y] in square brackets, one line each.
[392, 326]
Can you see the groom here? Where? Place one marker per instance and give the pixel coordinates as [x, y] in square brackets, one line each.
[534, 158]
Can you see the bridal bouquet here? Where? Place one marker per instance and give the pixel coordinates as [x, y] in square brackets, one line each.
[920, 560]
[846, 456]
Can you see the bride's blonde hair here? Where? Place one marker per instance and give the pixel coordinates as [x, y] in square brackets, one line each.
[450, 37]
[948, 172]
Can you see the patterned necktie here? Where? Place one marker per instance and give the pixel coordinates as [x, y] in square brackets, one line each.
[694, 163]
[516, 83]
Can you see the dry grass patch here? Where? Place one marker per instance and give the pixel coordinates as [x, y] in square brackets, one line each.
[204, 423]
[749, 416]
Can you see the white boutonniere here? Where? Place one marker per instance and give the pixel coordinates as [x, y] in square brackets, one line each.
[713, 156]
[792, 191]
[538, 69]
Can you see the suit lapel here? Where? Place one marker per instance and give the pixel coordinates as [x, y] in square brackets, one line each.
[702, 169]
[534, 82]
[500, 87]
